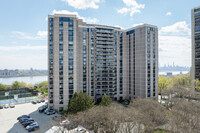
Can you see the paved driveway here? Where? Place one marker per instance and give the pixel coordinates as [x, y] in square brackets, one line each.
[10, 124]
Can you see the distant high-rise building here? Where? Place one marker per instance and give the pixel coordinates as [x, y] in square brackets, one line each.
[98, 59]
[195, 70]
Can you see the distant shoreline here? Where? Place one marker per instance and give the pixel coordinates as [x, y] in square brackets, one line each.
[22, 76]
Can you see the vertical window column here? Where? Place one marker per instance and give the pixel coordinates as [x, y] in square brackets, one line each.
[134, 63]
[148, 63]
[121, 64]
[70, 58]
[92, 61]
[60, 62]
[154, 64]
[50, 60]
[84, 60]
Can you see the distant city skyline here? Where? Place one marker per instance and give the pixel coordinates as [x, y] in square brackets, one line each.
[23, 37]
[171, 64]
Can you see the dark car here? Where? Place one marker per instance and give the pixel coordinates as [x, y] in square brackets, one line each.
[42, 100]
[27, 123]
[41, 109]
[50, 112]
[25, 119]
[33, 128]
[34, 102]
[22, 119]
[1, 107]
[46, 110]
[45, 106]
[23, 116]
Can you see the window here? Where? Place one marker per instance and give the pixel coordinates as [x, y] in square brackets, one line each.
[60, 109]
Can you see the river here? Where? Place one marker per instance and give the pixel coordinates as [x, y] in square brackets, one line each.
[28, 80]
[38, 79]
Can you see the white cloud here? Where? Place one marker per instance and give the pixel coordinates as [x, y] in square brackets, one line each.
[123, 10]
[119, 26]
[64, 12]
[83, 4]
[21, 48]
[90, 20]
[179, 28]
[41, 35]
[134, 25]
[168, 14]
[175, 44]
[132, 7]
[85, 19]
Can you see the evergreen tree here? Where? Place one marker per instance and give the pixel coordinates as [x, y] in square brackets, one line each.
[106, 100]
[80, 102]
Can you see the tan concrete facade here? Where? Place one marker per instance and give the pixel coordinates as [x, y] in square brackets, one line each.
[97, 52]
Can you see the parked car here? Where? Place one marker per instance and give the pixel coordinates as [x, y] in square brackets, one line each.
[46, 103]
[23, 116]
[42, 100]
[33, 128]
[12, 105]
[1, 107]
[32, 124]
[41, 109]
[34, 102]
[27, 123]
[65, 122]
[6, 106]
[50, 112]
[25, 119]
[45, 106]
[81, 130]
[58, 117]
[46, 110]
[38, 101]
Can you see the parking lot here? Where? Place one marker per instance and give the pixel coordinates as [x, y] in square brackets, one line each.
[10, 124]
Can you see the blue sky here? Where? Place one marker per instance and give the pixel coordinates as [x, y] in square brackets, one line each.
[23, 26]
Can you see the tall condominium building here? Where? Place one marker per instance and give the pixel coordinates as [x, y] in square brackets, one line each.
[195, 71]
[98, 59]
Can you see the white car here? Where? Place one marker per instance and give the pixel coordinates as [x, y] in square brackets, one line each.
[12, 105]
[6, 106]
[33, 124]
[82, 130]
[65, 122]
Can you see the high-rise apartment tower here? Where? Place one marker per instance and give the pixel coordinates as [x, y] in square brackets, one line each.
[195, 71]
[98, 59]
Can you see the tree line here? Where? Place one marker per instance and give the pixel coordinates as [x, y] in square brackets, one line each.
[41, 87]
[180, 81]
[178, 115]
